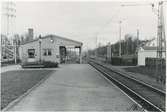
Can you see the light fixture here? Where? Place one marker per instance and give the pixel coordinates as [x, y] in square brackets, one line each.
[51, 39]
[40, 39]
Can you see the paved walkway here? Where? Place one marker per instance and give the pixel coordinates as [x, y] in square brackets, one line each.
[75, 87]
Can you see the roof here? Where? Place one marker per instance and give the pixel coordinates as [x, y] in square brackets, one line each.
[55, 36]
[153, 48]
[149, 48]
[149, 45]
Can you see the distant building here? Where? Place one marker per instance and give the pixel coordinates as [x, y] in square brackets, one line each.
[148, 50]
[48, 48]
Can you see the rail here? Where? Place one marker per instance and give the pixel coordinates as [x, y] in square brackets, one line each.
[150, 98]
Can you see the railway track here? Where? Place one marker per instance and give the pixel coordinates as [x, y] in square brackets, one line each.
[149, 98]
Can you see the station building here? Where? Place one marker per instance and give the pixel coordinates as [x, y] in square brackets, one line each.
[149, 50]
[49, 48]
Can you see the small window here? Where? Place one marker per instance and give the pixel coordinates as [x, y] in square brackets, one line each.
[57, 56]
[31, 53]
[44, 52]
[49, 52]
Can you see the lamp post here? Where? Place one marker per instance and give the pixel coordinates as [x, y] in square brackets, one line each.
[40, 41]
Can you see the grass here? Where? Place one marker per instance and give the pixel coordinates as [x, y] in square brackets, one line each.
[16, 83]
[151, 72]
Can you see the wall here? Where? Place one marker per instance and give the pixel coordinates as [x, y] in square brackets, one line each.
[24, 48]
[143, 54]
[54, 46]
[46, 44]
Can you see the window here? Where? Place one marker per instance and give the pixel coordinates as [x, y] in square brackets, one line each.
[31, 53]
[47, 52]
[57, 56]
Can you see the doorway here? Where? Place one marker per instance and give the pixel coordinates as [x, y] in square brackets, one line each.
[63, 54]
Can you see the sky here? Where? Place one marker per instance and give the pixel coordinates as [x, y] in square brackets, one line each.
[84, 21]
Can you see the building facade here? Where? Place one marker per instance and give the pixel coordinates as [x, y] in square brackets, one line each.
[147, 52]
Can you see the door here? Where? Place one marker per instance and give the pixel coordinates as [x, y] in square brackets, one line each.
[62, 54]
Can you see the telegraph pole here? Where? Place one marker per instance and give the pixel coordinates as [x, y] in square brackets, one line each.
[159, 33]
[120, 38]
[15, 52]
[10, 13]
[137, 36]
[96, 48]
[160, 40]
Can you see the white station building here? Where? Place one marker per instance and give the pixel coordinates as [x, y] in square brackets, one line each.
[149, 50]
[48, 48]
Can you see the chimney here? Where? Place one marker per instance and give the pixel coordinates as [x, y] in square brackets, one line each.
[30, 34]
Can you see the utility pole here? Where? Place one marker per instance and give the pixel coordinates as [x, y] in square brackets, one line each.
[15, 52]
[96, 47]
[160, 40]
[40, 41]
[159, 33]
[120, 38]
[137, 37]
[10, 13]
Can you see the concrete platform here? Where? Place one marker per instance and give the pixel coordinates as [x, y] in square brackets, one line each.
[75, 87]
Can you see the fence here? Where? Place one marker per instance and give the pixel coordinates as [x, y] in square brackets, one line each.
[123, 61]
[153, 62]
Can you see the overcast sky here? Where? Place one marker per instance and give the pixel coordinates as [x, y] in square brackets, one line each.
[82, 21]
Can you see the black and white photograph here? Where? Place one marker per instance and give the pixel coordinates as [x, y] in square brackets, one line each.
[83, 55]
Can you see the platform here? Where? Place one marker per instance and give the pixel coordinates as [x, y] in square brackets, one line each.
[75, 87]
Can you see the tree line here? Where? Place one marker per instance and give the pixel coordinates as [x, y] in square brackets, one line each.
[129, 46]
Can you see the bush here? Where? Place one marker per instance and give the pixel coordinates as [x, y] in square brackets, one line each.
[152, 62]
[43, 64]
[49, 64]
[124, 61]
[10, 62]
[116, 61]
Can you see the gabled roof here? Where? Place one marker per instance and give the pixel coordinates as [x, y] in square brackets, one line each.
[149, 45]
[149, 48]
[54, 36]
[63, 38]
